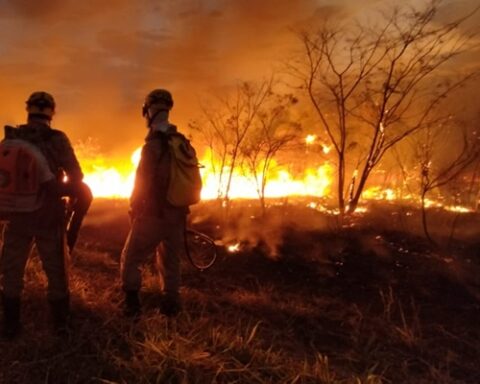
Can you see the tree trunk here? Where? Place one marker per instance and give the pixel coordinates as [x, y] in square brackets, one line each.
[424, 219]
[352, 205]
[341, 183]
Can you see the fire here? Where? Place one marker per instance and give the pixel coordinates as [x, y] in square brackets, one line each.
[117, 182]
[458, 208]
[111, 181]
[310, 139]
[281, 182]
[379, 193]
[136, 156]
[234, 248]
[452, 208]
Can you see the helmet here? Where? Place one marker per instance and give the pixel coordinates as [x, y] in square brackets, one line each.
[158, 96]
[41, 103]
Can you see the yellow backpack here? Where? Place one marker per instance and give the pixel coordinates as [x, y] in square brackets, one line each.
[185, 183]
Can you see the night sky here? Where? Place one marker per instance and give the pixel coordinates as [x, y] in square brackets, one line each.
[99, 58]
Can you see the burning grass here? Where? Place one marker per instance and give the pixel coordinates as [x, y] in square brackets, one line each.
[363, 301]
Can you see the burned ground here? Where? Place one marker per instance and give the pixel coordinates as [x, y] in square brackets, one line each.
[306, 299]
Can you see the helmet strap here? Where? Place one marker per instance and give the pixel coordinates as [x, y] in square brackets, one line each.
[152, 118]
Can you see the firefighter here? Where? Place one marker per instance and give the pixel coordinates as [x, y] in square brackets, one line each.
[154, 221]
[44, 227]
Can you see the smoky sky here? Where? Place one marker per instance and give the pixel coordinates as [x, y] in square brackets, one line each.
[99, 58]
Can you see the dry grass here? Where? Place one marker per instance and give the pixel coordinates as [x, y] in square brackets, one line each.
[334, 307]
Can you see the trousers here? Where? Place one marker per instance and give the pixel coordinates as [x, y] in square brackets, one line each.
[19, 236]
[146, 235]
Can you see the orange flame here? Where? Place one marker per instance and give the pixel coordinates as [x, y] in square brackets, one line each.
[234, 248]
[310, 139]
[118, 182]
[111, 181]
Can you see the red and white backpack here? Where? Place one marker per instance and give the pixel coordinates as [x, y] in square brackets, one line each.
[23, 170]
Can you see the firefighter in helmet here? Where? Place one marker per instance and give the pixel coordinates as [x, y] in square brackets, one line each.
[154, 220]
[44, 227]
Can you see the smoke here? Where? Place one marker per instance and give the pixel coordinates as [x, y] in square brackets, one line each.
[100, 58]
[245, 227]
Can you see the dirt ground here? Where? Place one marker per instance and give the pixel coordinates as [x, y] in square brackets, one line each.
[306, 299]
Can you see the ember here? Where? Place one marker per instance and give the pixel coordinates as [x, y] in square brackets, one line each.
[234, 248]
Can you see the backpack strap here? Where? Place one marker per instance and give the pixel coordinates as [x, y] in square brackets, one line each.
[184, 148]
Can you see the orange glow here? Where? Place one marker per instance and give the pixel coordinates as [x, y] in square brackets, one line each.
[452, 208]
[117, 182]
[135, 159]
[326, 149]
[234, 248]
[111, 181]
[458, 208]
[281, 182]
[310, 139]
[379, 193]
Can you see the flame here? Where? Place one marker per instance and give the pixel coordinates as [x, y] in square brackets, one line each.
[458, 208]
[117, 182]
[379, 193]
[111, 181]
[313, 182]
[310, 139]
[135, 159]
[234, 248]
[452, 208]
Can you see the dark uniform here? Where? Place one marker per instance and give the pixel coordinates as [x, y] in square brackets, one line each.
[154, 221]
[45, 227]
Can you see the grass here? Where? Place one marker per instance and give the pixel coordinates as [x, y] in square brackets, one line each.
[366, 304]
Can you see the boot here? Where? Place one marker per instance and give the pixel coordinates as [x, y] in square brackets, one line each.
[60, 312]
[132, 304]
[11, 317]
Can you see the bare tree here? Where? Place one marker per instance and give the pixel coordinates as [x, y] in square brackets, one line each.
[373, 85]
[441, 161]
[273, 131]
[217, 142]
[226, 123]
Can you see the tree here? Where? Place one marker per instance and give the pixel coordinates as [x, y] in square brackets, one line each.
[439, 169]
[273, 131]
[210, 128]
[373, 86]
[246, 130]
[226, 123]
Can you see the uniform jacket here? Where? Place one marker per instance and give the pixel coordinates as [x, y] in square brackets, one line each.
[149, 196]
[62, 161]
